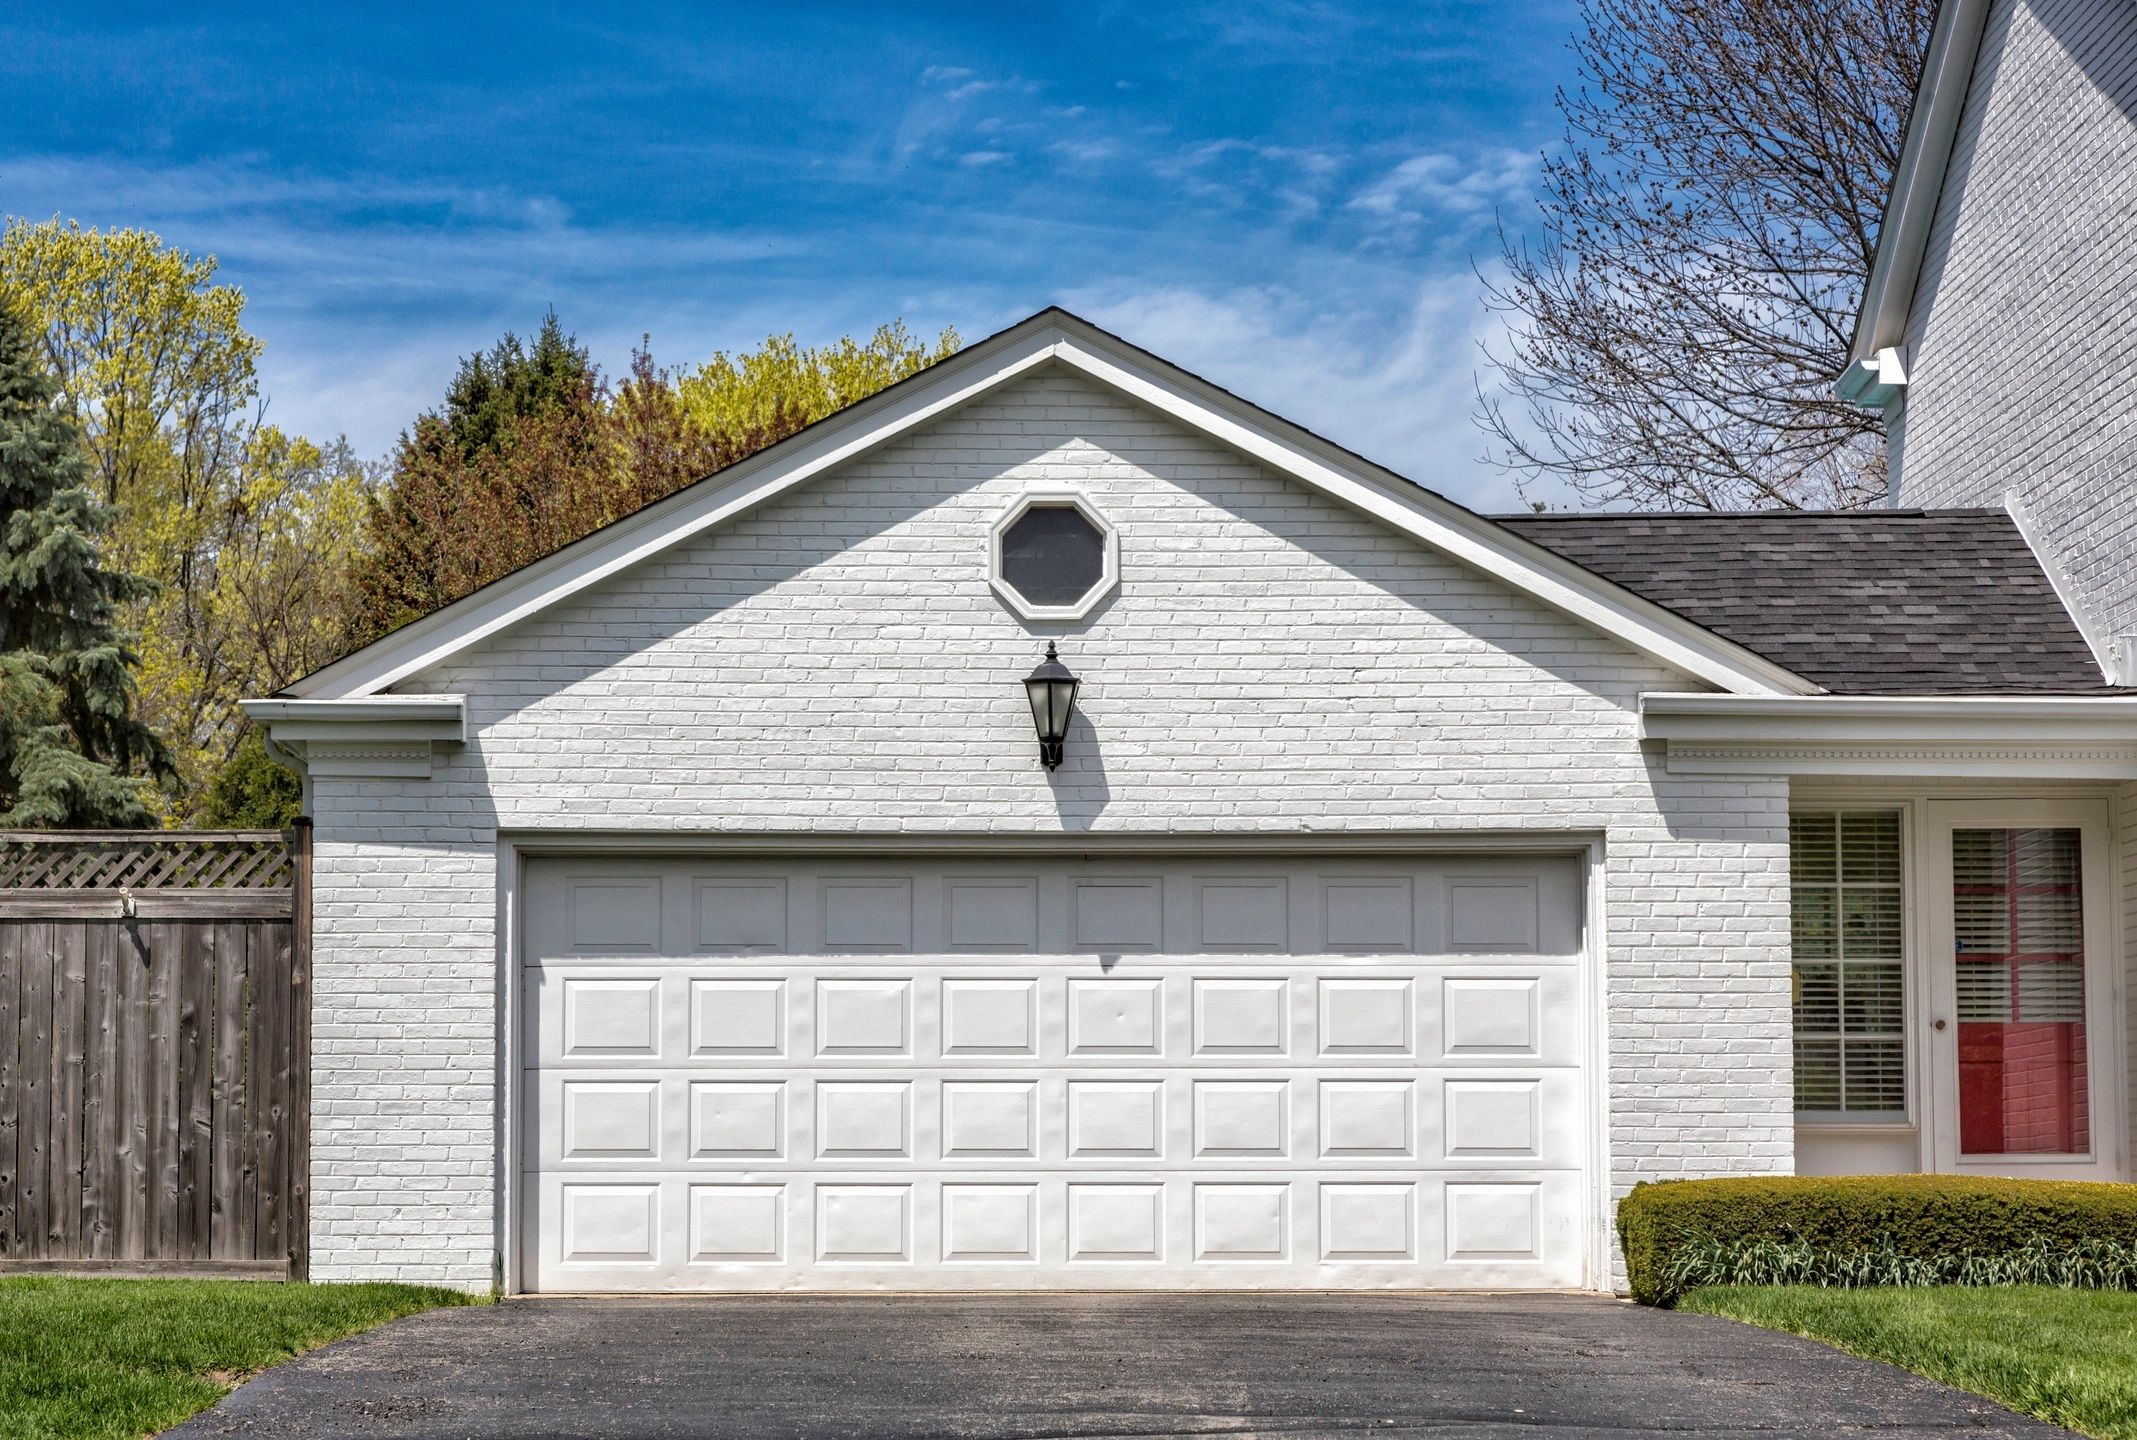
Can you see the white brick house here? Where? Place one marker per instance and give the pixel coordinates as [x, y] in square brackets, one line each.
[692, 911]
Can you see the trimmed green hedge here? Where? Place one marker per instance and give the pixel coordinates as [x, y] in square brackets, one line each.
[1942, 1219]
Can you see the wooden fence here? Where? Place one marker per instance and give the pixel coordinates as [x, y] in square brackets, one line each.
[155, 1038]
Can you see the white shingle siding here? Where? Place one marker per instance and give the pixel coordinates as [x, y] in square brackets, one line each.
[2022, 342]
[1272, 663]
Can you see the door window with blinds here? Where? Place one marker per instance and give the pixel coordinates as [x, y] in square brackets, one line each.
[2019, 971]
[1847, 948]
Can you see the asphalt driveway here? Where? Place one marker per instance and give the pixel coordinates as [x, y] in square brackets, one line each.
[1088, 1365]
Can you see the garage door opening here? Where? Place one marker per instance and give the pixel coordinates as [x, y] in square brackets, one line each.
[877, 1074]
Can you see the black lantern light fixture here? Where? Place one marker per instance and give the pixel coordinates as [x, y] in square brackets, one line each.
[1052, 692]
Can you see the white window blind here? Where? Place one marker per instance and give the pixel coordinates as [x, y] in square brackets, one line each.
[1845, 942]
[2019, 915]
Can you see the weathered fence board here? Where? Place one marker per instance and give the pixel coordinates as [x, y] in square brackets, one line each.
[154, 1036]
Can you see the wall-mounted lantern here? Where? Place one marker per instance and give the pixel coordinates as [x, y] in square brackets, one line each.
[1052, 692]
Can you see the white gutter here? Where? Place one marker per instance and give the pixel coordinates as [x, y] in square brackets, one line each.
[2012, 736]
[1903, 233]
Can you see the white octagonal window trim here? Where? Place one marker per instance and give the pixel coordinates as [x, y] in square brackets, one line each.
[1053, 556]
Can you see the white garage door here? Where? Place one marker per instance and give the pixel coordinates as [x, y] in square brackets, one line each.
[898, 1075]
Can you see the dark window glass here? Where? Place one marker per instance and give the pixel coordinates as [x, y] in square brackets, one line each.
[1052, 555]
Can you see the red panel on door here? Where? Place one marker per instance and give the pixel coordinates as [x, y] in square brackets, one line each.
[2022, 1088]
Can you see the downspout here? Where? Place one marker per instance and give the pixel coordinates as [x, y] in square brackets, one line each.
[283, 755]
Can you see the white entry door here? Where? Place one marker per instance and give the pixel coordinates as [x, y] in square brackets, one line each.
[886, 1074]
[2023, 1042]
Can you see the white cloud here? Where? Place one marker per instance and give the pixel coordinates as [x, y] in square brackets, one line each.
[1436, 186]
[1401, 391]
[959, 82]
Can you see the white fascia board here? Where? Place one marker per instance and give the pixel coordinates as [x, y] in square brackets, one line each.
[2066, 591]
[1903, 234]
[1894, 717]
[1440, 523]
[1056, 337]
[382, 717]
[2028, 736]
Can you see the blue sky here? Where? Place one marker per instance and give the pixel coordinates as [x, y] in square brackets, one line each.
[1287, 198]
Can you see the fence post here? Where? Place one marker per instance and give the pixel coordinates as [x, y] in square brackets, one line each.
[300, 961]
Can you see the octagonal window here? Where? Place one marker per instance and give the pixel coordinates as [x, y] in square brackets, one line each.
[1053, 555]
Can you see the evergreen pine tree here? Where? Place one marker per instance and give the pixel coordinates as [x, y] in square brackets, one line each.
[72, 752]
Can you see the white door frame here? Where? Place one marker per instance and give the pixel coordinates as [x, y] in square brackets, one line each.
[1936, 1025]
[515, 849]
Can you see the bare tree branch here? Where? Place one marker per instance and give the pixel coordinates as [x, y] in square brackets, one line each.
[1706, 233]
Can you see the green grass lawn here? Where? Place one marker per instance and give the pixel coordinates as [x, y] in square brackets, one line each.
[2067, 1356]
[126, 1358]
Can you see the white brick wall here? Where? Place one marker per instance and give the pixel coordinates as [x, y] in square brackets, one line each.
[1272, 663]
[2126, 878]
[2022, 341]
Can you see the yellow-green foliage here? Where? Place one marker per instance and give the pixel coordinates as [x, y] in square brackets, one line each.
[245, 530]
[1918, 1216]
[732, 396]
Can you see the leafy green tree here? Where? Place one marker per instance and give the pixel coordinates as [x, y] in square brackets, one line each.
[729, 396]
[245, 531]
[533, 449]
[72, 751]
[252, 791]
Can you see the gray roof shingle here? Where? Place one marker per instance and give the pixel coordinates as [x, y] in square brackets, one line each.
[1872, 602]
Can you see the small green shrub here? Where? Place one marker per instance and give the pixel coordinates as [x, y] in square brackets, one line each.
[1877, 1230]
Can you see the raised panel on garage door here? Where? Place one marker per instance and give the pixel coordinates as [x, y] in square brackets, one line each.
[878, 1074]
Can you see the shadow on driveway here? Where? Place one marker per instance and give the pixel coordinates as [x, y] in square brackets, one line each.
[1058, 1366]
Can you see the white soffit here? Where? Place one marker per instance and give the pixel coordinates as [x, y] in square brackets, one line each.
[1054, 336]
[2014, 736]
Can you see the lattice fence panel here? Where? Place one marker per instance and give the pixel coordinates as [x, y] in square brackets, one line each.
[147, 860]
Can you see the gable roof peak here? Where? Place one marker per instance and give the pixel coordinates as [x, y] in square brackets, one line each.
[1049, 337]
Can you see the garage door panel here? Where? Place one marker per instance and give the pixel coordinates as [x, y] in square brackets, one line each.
[878, 1075]
[1449, 906]
[740, 1018]
[691, 1120]
[985, 1018]
[743, 916]
[1103, 1230]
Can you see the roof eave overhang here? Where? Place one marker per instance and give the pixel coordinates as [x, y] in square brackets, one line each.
[1903, 232]
[372, 737]
[2012, 737]
[1054, 337]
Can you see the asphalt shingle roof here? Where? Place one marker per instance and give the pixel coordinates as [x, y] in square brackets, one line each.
[1874, 602]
